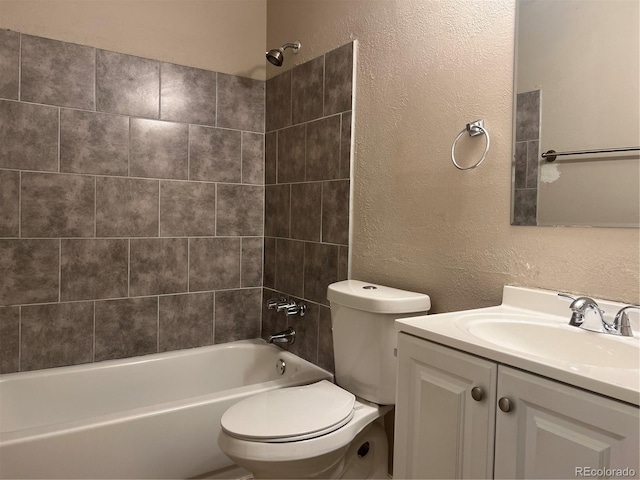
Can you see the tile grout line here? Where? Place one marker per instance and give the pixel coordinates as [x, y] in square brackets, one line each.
[240, 277]
[128, 268]
[19, 204]
[210, 237]
[128, 147]
[139, 117]
[290, 220]
[152, 295]
[164, 179]
[20, 338]
[158, 208]
[241, 156]
[291, 95]
[215, 210]
[20, 69]
[189, 152]
[95, 207]
[94, 331]
[340, 147]
[59, 128]
[141, 237]
[159, 90]
[306, 133]
[324, 84]
[157, 324]
[95, 79]
[59, 270]
[304, 259]
[213, 321]
[216, 120]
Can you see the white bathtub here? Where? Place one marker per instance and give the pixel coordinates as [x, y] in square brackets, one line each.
[156, 416]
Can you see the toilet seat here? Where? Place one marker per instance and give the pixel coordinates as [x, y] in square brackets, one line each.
[290, 414]
[251, 450]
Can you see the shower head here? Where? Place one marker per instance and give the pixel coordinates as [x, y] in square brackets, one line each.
[276, 55]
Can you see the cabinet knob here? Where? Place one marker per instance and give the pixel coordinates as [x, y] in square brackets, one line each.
[504, 404]
[477, 393]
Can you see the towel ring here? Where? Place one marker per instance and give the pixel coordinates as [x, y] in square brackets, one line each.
[474, 129]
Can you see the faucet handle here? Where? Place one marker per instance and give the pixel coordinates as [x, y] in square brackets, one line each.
[297, 309]
[284, 305]
[273, 302]
[566, 295]
[621, 323]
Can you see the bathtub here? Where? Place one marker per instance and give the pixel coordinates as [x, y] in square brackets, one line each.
[156, 416]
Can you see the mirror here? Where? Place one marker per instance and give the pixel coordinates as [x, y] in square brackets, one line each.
[577, 88]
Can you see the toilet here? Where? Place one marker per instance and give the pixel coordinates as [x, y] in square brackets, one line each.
[327, 430]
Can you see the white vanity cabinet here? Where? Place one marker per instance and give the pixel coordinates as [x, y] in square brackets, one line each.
[446, 429]
[553, 430]
[440, 430]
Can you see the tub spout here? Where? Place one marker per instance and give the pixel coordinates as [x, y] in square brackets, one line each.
[287, 336]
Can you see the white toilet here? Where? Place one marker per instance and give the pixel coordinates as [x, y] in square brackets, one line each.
[323, 430]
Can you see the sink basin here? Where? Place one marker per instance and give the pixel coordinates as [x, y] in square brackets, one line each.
[530, 330]
[546, 339]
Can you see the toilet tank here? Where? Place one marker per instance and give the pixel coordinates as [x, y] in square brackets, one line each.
[364, 336]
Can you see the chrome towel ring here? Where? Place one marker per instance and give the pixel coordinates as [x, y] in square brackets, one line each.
[474, 129]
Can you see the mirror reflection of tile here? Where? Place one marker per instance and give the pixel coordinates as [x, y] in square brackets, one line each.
[525, 195]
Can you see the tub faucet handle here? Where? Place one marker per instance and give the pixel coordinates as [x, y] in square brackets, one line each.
[297, 309]
[273, 302]
[285, 305]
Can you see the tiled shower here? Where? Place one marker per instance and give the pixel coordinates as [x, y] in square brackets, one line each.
[307, 169]
[132, 204]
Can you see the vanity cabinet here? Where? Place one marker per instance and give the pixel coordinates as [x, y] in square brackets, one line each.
[441, 431]
[513, 425]
[553, 430]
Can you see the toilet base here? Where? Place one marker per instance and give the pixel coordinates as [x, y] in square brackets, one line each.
[365, 457]
[368, 455]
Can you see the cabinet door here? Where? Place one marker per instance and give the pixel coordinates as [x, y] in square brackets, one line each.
[557, 431]
[441, 431]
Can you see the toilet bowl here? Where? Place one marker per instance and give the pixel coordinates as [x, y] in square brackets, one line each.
[305, 432]
[324, 430]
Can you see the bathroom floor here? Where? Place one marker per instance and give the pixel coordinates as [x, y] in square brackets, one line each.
[233, 472]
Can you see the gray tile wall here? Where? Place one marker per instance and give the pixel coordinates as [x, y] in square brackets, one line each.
[307, 171]
[131, 204]
[526, 158]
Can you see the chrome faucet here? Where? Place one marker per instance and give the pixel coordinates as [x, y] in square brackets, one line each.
[287, 336]
[580, 305]
[290, 307]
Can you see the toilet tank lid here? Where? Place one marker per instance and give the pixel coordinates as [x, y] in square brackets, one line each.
[370, 297]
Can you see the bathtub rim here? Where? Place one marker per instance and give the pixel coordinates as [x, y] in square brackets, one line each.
[307, 375]
[140, 359]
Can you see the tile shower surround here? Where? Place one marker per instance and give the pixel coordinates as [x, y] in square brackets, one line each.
[224, 165]
[307, 171]
[131, 205]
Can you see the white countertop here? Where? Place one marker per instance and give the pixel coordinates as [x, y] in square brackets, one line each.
[602, 363]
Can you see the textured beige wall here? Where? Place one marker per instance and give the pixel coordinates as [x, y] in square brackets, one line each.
[222, 35]
[425, 69]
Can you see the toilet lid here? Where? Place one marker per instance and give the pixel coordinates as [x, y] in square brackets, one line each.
[290, 414]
